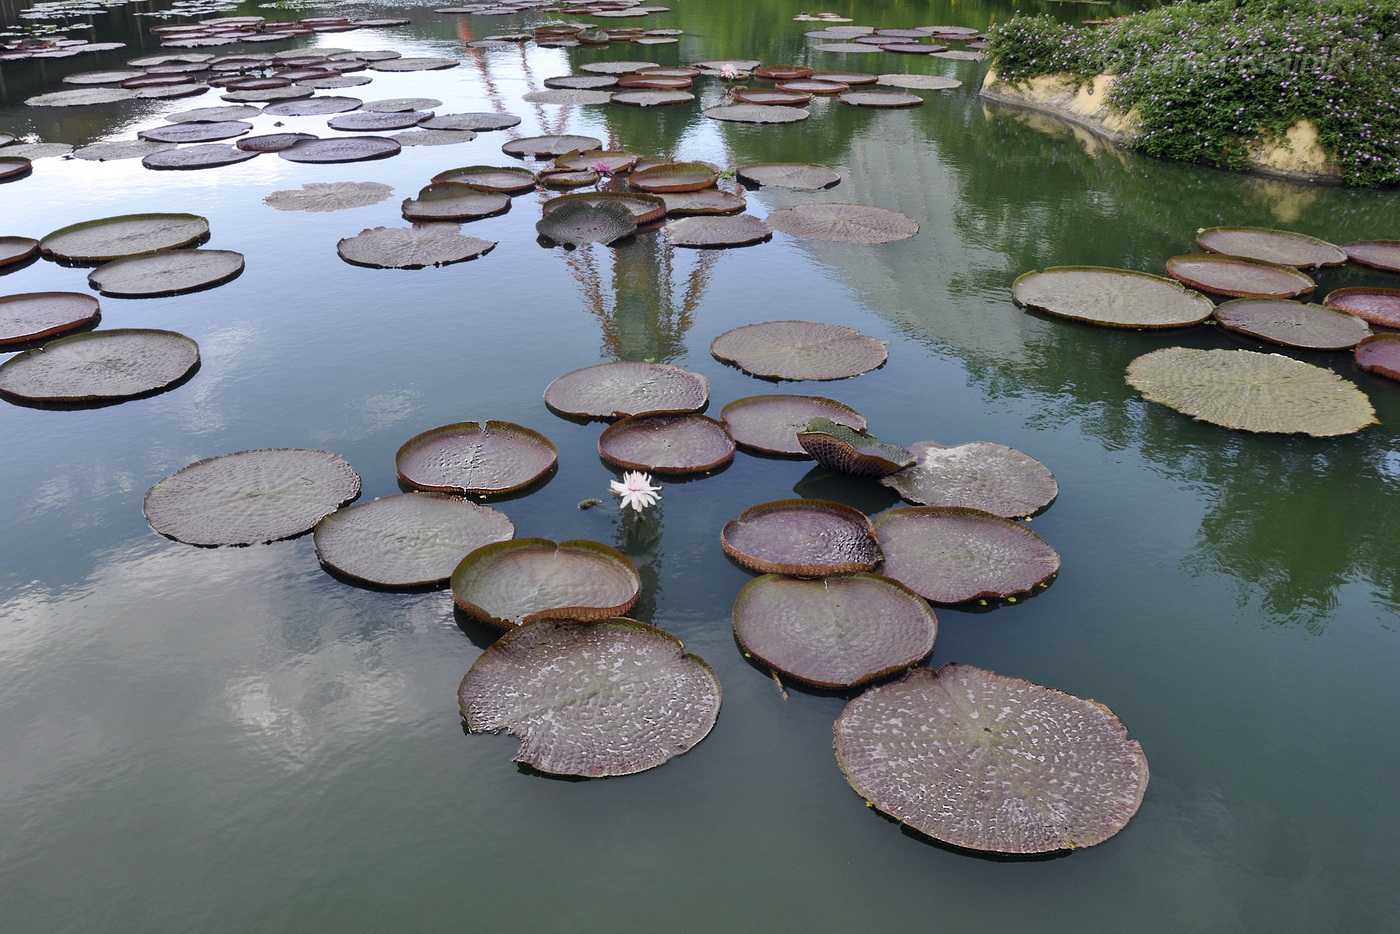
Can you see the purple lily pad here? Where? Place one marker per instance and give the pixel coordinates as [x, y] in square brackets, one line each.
[610, 390]
[511, 583]
[666, 443]
[802, 538]
[978, 475]
[799, 350]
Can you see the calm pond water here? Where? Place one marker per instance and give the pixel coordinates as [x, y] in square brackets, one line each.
[232, 740]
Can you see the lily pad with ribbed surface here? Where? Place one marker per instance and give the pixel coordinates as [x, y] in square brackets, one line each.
[843, 223]
[169, 272]
[1238, 277]
[1370, 303]
[674, 176]
[608, 390]
[613, 697]
[717, 232]
[196, 131]
[645, 208]
[799, 350]
[582, 221]
[454, 201]
[801, 175]
[510, 583]
[122, 363]
[1293, 324]
[1271, 246]
[503, 179]
[329, 196]
[477, 458]
[250, 496]
[109, 238]
[551, 146]
[978, 475]
[708, 201]
[801, 537]
[666, 443]
[1380, 353]
[411, 247]
[952, 555]
[30, 316]
[852, 452]
[755, 113]
[407, 540]
[1120, 298]
[202, 156]
[986, 762]
[342, 149]
[770, 423]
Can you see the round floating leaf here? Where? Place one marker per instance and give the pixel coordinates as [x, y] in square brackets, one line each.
[848, 48]
[271, 142]
[921, 82]
[1271, 246]
[168, 273]
[756, 113]
[606, 390]
[551, 146]
[370, 122]
[511, 583]
[987, 762]
[329, 196]
[476, 458]
[263, 95]
[771, 423]
[581, 82]
[714, 232]
[477, 122]
[616, 68]
[645, 208]
[81, 97]
[32, 316]
[738, 64]
[799, 350]
[852, 452]
[802, 175]
[126, 235]
[782, 72]
[411, 247]
[503, 179]
[1238, 277]
[344, 149]
[408, 540]
[835, 632]
[843, 223]
[17, 250]
[1292, 324]
[567, 97]
[1376, 305]
[402, 104]
[313, 107]
[196, 131]
[250, 496]
[977, 475]
[1380, 254]
[802, 537]
[13, 167]
[666, 443]
[607, 698]
[230, 112]
[432, 137]
[853, 78]
[1252, 391]
[770, 97]
[1380, 353]
[614, 161]
[116, 364]
[1120, 298]
[813, 86]
[415, 64]
[952, 555]
[103, 77]
[645, 98]
[705, 201]
[120, 149]
[580, 222]
[32, 151]
[454, 201]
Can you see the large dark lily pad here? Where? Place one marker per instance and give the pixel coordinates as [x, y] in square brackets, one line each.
[477, 122]
[1379, 254]
[126, 235]
[411, 247]
[170, 272]
[375, 122]
[580, 222]
[607, 390]
[196, 131]
[845, 450]
[329, 196]
[1271, 246]
[799, 350]
[645, 208]
[344, 149]
[1252, 391]
[801, 175]
[986, 762]
[978, 475]
[607, 698]
[471, 457]
[770, 423]
[313, 106]
[511, 583]
[835, 632]
[713, 232]
[250, 496]
[666, 443]
[843, 223]
[32, 316]
[13, 167]
[454, 201]
[952, 555]
[802, 537]
[407, 540]
[674, 176]
[204, 156]
[581, 82]
[1121, 298]
[1380, 353]
[1238, 277]
[503, 179]
[271, 142]
[1293, 324]
[552, 146]
[115, 364]
[756, 113]
[1369, 303]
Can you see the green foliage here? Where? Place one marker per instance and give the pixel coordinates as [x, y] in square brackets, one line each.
[1213, 80]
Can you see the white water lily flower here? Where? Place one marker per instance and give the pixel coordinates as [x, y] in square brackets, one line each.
[636, 490]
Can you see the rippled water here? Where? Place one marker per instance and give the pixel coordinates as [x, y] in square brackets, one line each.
[231, 740]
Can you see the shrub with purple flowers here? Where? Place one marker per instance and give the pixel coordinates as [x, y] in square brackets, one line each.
[1213, 80]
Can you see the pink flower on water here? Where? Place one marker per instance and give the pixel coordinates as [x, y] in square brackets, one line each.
[728, 71]
[636, 490]
[602, 168]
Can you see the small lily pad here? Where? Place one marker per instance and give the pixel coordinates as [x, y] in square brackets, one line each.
[801, 175]
[250, 496]
[505, 179]
[848, 451]
[713, 232]
[771, 423]
[1369, 303]
[1293, 324]
[475, 458]
[799, 350]
[110, 238]
[580, 222]
[843, 223]
[31, 316]
[978, 475]
[407, 540]
[608, 390]
[666, 443]
[836, 632]
[803, 538]
[170, 272]
[608, 698]
[1380, 354]
[512, 583]
[454, 201]
[1122, 298]
[122, 363]
[1378, 254]
[1238, 277]
[411, 247]
[1283, 247]
[329, 196]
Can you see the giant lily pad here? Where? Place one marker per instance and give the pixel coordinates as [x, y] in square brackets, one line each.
[756, 113]
[607, 390]
[196, 131]
[567, 97]
[81, 97]
[423, 63]
[407, 540]
[607, 698]
[880, 99]
[717, 231]
[770, 97]
[843, 223]
[503, 179]
[14, 250]
[454, 201]
[432, 137]
[1379, 254]
[117, 364]
[920, 82]
[648, 98]
[344, 149]
[313, 106]
[1252, 391]
[1369, 303]
[1380, 353]
[952, 555]
[127, 235]
[674, 176]
[1292, 324]
[845, 450]
[1238, 277]
[471, 457]
[170, 272]
[13, 167]
[250, 496]
[1121, 298]
[411, 247]
[32, 316]
[204, 156]
[329, 196]
[552, 146]
[580, 222]
[835, 632]
[271, 142]
[771, 423]
[708, 201]
[120, 149]
[365, 121]
[666, 443]
[616, 68]
[581, 82]
[478, 122]
[645, 208]
[1283, 247]
[511, 583]
[986, 762]
[802, 537]
[801, 175]
[799, 350]
[977, 475]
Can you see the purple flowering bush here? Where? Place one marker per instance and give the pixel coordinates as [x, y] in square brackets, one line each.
[1214, 79]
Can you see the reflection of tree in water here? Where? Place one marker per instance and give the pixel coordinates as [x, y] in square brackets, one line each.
[638, 536]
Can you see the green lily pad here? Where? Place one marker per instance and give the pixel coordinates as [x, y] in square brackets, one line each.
[843, 223]
[411, 247]
[329, 196]
[802, 537]
[111, 238]
[770, 423]
[920, 82]
[580, 222]
[567, 97]
[1271, 246]
[364, 121]
[845, 450]
[1121, 298]
[674, 176]
[610, 390]
[978, 475]
[122, 363]
[799, 350]
[31, 316]
[511, 583]
[170, 272]
[1293, 324]
[666, 443]
[475, 458]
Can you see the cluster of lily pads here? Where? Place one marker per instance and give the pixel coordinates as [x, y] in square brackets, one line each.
[1259, 273]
